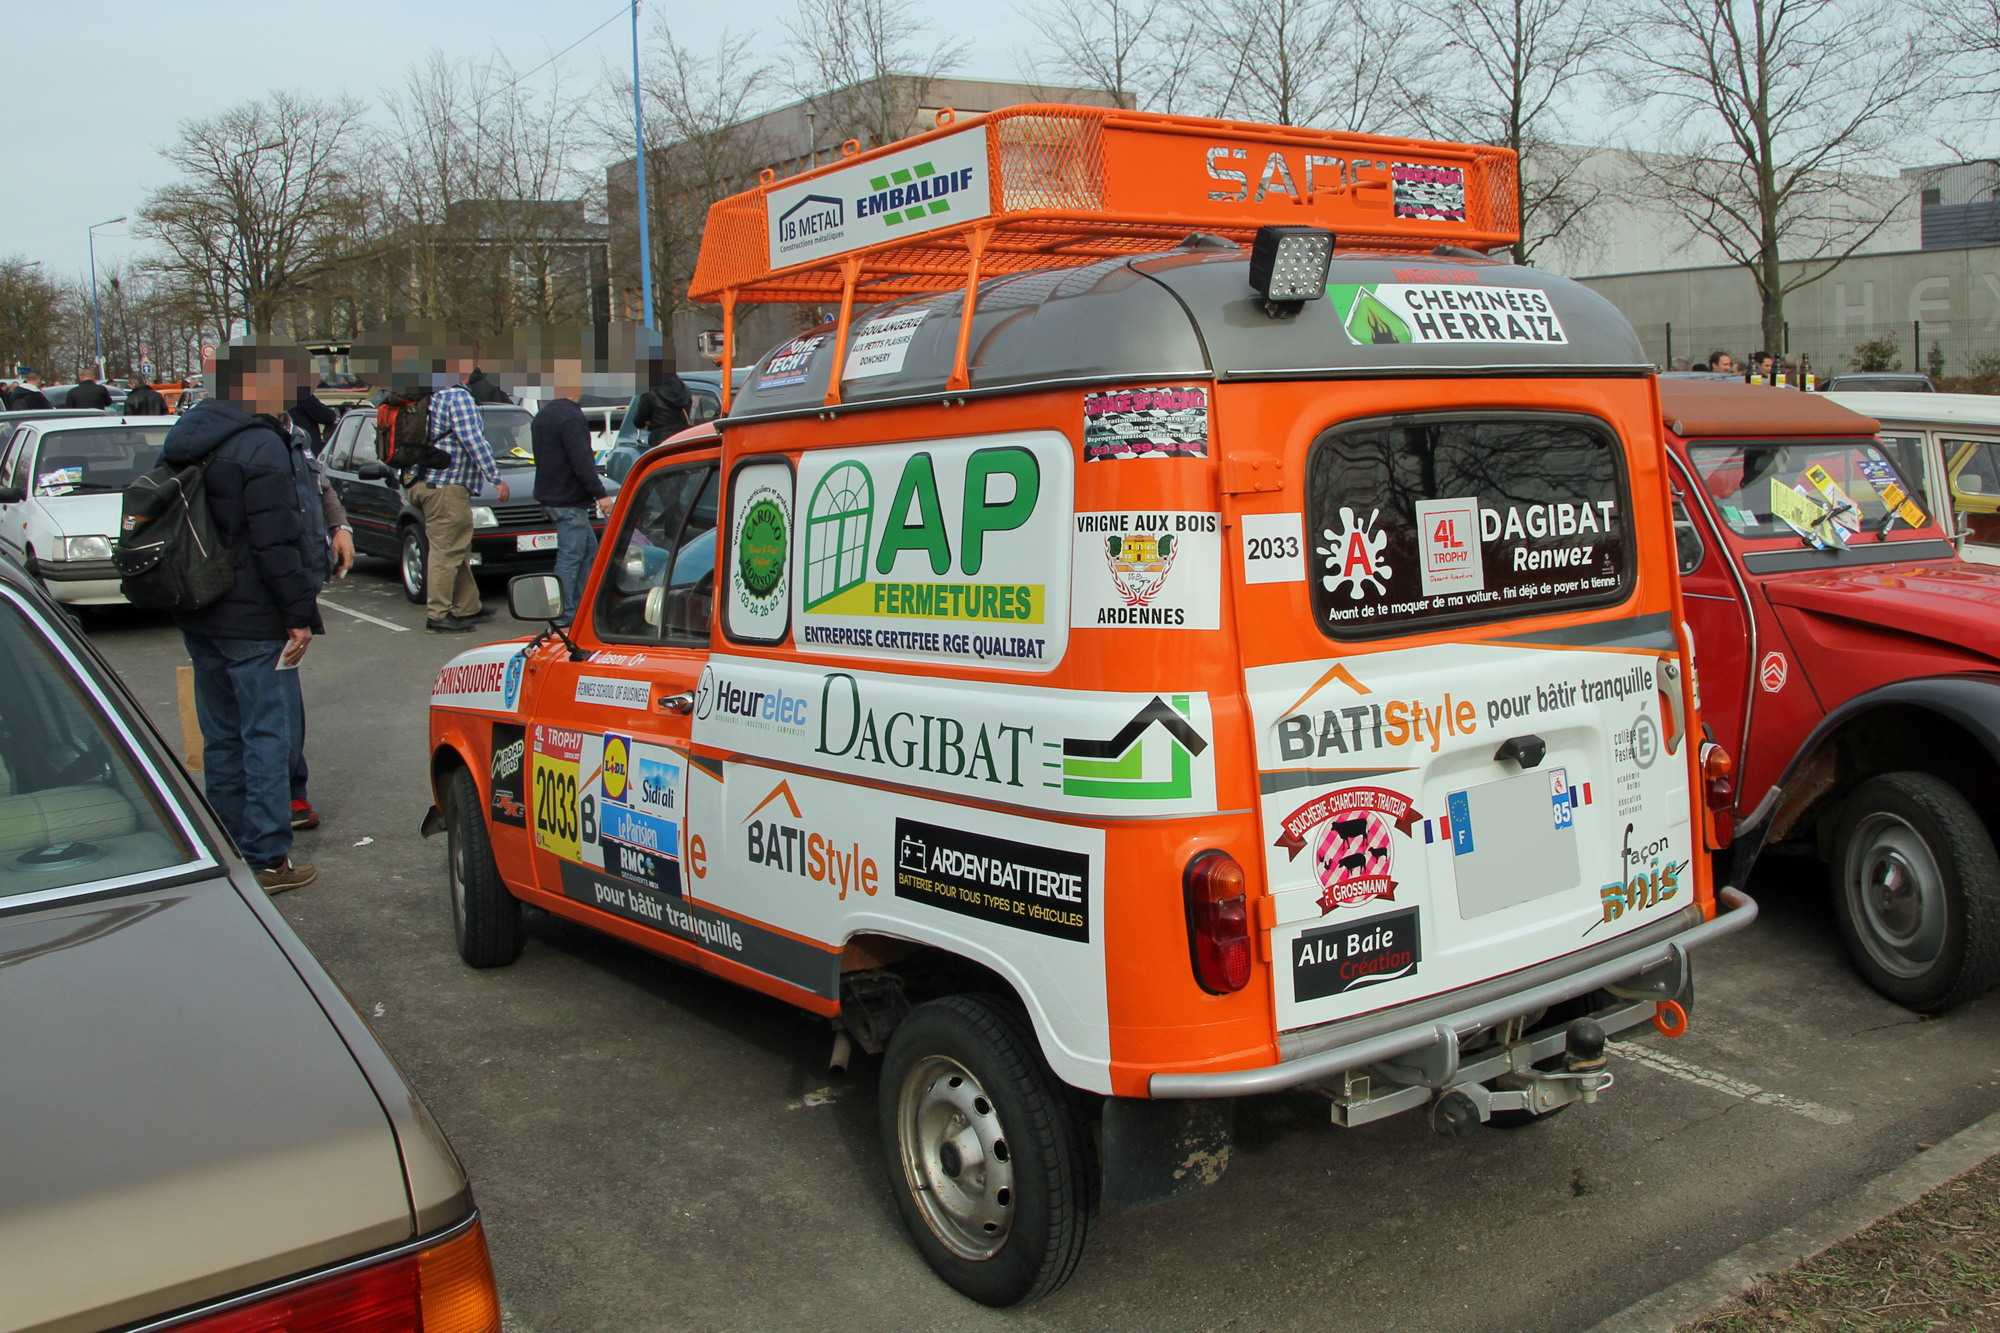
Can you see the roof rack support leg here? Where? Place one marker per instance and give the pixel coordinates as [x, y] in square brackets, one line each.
[961, 377]
[850, 273]
[728, 345]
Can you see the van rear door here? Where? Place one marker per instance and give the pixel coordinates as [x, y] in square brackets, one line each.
[1479, 773]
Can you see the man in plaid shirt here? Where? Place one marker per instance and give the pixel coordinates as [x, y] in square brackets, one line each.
[444, 497]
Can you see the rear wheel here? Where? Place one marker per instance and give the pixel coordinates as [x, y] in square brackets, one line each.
[990, 1169]
[485, 918]
[1916, 885]
[416, 562]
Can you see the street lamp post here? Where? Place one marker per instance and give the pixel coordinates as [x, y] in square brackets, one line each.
[639, 145]
[96, 324]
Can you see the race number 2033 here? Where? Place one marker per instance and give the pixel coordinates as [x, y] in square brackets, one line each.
[557, 750]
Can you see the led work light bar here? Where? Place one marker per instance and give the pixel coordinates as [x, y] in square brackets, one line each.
[1288, 264]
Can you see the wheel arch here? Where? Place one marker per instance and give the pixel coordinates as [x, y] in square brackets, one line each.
[1946, 726]
[451, 753]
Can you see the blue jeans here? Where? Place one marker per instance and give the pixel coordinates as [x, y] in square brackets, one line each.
[295, 712]
[576, 543]
[246, 738]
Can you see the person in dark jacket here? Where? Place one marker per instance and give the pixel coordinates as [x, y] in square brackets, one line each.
[484, 390]
[663, 408]
[567, 482]
[313, 417]
[266, 621]
[143, 400]
[28, 395]
[88, 393]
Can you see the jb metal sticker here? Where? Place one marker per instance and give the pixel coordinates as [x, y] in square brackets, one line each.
[995, 879]
[1332, 960]
[1160, 570]
[1166, 421]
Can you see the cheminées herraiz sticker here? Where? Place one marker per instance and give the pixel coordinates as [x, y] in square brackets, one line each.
[1147, 569]
[1412, 312]
[487, 678]
[949, 551]
[1072, 751]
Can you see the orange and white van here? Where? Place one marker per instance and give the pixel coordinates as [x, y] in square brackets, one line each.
[1193, 626]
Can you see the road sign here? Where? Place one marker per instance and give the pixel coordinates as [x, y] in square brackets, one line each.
[208, 351]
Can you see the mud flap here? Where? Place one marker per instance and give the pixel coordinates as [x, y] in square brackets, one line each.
[1153, 1151]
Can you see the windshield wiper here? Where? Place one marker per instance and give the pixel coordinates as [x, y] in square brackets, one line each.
[1882, 528]
[85, 487]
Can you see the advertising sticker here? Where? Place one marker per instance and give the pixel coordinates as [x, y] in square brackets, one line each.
[881, 344]
[487, 678]
[508, 775]
[1407, 312]
[1437, 193]
[1032, 888]
[789, 364]
[1348, 831]
[920, 189]
[760, 535]
[945, 551]
[1165, 421]
[1448, 541]
[1335, 959]
[556, 751]
[1153, 569]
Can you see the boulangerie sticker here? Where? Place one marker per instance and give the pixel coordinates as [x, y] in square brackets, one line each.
[880, 345]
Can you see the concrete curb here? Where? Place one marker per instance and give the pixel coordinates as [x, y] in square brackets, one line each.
[1731, 1275]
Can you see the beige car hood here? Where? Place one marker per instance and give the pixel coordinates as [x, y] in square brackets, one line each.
[178, 1117]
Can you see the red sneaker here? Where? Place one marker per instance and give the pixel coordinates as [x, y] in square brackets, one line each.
[303, 815]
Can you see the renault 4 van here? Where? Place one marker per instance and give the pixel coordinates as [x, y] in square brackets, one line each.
[1193, 626]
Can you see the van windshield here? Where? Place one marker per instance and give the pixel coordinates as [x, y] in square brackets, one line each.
[1460, 518]
[1821, 493]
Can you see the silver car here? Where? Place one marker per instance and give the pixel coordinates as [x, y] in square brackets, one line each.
[197, 1131]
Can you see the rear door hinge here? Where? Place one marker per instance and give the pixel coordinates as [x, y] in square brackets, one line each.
[1241, 476]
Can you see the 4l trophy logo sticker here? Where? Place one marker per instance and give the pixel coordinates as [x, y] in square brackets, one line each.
[1139, 564]
[1349, 832]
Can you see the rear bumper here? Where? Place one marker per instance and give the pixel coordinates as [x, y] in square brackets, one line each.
[1480, 1006]
[73, 571]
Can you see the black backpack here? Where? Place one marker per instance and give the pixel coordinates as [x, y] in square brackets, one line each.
[170, 554]
[403, 437]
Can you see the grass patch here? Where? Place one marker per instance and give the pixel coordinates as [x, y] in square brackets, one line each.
[1934, 1265]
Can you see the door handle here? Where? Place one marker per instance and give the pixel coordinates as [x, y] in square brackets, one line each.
[682, 703]
[1527, 751]
[1670, 694]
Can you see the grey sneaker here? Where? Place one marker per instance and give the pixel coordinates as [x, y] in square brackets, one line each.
[287, 876]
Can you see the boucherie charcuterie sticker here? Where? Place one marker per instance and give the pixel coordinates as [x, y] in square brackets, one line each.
[1415, 312]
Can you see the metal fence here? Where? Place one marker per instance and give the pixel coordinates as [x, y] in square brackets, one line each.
[1953, 349]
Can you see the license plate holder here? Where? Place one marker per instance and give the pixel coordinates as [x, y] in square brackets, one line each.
[535, 541]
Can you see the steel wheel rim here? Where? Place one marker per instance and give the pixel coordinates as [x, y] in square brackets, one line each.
[454, 873]
[413, 565]
[945, 1118]
[1895, 893]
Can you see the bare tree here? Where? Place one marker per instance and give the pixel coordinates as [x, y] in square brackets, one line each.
[1513, 66]
[266, 203]
[1780, 107]
[1141, 53]
[1967, 34]
[31, 315]
[1353, 65]
[862, 67]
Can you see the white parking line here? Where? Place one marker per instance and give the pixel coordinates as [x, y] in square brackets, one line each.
[363, 615]
[1733, 1087]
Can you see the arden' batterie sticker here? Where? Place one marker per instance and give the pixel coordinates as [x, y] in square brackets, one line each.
[1041, 889]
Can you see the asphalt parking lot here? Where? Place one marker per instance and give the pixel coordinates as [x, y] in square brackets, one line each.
[656, 1149]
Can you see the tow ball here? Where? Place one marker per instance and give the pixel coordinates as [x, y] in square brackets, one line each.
[1461, 1110]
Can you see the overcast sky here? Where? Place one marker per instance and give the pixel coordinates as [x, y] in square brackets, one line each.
[94, 90]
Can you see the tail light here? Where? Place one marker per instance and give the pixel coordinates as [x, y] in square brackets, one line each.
[447, 1288]
[1716, 766]
[1218, 922]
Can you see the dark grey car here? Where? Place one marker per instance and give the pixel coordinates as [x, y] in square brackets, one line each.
[194, 1119]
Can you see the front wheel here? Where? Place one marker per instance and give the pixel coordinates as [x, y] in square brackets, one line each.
[485, 918]
[416, 562]
[1916, 885]
[990, 1170]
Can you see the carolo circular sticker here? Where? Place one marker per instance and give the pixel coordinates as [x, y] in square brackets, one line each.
[760, 561]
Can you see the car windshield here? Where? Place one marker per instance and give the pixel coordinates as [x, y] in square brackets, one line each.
[508, 433]
[74, 808]
[96, 461]
[1823, 493]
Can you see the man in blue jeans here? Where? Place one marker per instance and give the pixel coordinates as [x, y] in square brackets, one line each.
[567, 481]
[267, 619]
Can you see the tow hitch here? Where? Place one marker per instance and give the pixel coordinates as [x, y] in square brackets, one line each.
[1518, 1076]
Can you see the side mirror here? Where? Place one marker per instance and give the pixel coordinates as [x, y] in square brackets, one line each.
[656, 606]
[534, 597]
[372, 472]
[12, 495]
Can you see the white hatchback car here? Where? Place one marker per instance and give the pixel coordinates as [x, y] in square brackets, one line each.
[61, 486]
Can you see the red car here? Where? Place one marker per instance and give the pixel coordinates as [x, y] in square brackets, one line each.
[1852, 662]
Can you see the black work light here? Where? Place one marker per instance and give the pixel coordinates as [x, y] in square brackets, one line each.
[1288, 264]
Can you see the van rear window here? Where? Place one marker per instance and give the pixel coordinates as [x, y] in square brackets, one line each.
[1458, 518]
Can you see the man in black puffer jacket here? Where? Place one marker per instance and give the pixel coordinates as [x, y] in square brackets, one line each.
[266, 621]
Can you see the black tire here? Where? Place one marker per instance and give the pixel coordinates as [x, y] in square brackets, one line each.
[413, 559]
[485, 918]
[1916, 886]
[1522, 1119]
[1033, 1184]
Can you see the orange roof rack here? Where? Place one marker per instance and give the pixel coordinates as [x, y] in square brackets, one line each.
[1052, 186]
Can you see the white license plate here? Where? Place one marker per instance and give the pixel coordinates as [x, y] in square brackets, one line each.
[535, 541]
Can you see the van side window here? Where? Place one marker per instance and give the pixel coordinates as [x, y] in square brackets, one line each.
[1688, 546]
[661, 585]
[1462, 518]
